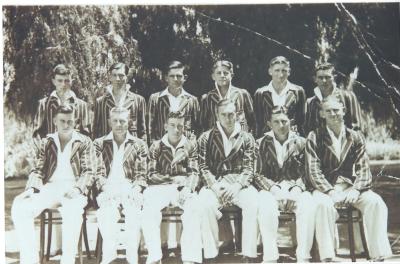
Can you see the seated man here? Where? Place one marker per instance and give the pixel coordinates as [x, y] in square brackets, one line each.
[120, 178]
[173, 177]
[337, 167]
[226, 158]
[60, 178]
[279, 176]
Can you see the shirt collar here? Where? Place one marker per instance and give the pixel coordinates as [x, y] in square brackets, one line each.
[181, 143]
[228, 93]
[69, 94]
[55, 137]
[318, 93]
[332, 134]
[109, 88]
[110, 136]
[166, 92]
[236, 131]
[270, 88]
[292, 135]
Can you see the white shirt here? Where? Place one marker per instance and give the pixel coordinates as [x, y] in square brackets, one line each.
[174, 101]
[318, 92]
[117, 173]
[182, 142]
[121, 102]
[68, 95]
[229, 142]
[228, 93]
[337, 141]
[279, 99]
[281, 149]
[63, 172]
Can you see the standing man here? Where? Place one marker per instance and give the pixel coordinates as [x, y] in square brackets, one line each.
[61, 176]
[226, 159]
[62, 95]
[222, 74]
[118, 95]
[173, 177]
[173, 99]
[279, 92]
[121, 179]
[279, 176]
[326, 86]
[337, 166]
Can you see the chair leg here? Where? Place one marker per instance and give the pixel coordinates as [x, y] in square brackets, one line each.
[85, 237]
[364, 240]
[351, 235]
[80, 254]
[42, 236]
[238, 232]
[49, 233]
[99, 249]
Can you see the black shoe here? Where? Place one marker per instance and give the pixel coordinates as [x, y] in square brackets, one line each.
[210, 261]
[227, 247]
[247, 260]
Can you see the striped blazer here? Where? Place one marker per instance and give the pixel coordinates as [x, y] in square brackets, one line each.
[83, 163]
[158, 110]
[134, 160]
[268, 172]
[323, 167]
[237, 167]
[244, 108]
[43, 121]
[160, 158]
[352, 118]
[133, 102]
[295, 103]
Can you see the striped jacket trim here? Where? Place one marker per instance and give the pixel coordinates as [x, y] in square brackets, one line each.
[267, 171]
[161, 157]
[244, 109]
[295, 103]
[136, 105]
[237, 167]
[352, 118]
[159, 108]
[83, 162]
[323, 167]
[43, 121]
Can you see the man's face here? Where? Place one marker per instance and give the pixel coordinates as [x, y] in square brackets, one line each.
[62, 82]
[65, 123]
[118, 77]
[280, 124]
[227, 116]
[175, 128]
[222, 76]
[279, 73]
[175, 78]
[325, 80]
[333, 113]
[119, 122]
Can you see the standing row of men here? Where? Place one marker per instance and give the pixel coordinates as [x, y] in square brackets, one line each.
[279, 171]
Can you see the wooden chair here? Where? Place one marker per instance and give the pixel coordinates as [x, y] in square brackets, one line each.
[47, 217]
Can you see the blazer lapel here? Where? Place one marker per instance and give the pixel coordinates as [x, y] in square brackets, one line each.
[51, 157]
[267, 98]
[183, 104]
[107, 154]
[347, 145]
[75, 147]
[218, 142]
[271, 150]
[129, 147]
[291, 149]
[236, 146]
[164, 104]
[327, 141]
[290, 97]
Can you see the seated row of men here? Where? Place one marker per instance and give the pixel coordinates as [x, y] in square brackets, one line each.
[148, 121]
[281, 171]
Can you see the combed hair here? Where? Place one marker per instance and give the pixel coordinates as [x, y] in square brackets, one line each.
[64, 109]
[175, 65]
[278, 60]
[175, 114]
[223, 63]
[278, 110]
[117, 66]
[60, 69]
[324, 66]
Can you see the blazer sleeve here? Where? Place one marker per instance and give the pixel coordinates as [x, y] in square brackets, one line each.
[151, 113]
[361, 165]
[300, 110]
[193, 166]
[205, 172]
[246, 177]
[100, 175]
[87, 165]
[154, 175]
[249, 112]
[140, 167]
[141, 119]
[261, 181]
[35, 178]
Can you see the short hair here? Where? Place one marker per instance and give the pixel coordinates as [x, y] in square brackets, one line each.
[324, 66]
[223, 63]
[119, 110]
[60, 69]
[225, 102]
[117, 66]
[175, 65]
[278, 110]
[278, 60]
[64, 109]
[175, 114]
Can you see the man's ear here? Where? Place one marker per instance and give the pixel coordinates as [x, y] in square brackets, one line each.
[109, 122]
[322, 114]
[269, 123]
[270, 71]
[53, 81]
[54, 120]
[165, 126]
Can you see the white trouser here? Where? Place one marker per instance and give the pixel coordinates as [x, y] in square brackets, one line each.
[157, 197]
[108, 216]
[268, 221]
[247, 200]
[375, 215]
[25, 210]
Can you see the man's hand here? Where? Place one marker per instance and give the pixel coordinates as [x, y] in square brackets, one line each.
[276, 191]
[184, 194]
[217, 188]
[231, 191]
[337, 197]
[352, 196]
[73, 193]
